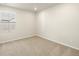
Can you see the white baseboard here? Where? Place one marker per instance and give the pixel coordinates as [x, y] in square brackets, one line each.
[42, 36]
[17, 39]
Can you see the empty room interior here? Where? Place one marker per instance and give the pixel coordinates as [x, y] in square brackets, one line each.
[39, 29]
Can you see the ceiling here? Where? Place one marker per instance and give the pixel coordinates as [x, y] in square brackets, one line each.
[30, 6]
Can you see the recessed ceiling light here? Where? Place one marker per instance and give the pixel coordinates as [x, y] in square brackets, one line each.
[35, 8]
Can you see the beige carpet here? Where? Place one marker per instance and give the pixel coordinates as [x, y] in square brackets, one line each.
[36, 46]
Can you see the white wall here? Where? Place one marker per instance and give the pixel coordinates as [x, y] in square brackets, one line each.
[25, 25]
[60, 24]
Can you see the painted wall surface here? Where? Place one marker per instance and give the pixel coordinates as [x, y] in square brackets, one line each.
[60, 24]
[25, 25]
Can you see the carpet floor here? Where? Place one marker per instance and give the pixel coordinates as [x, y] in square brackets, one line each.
[35, 46]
